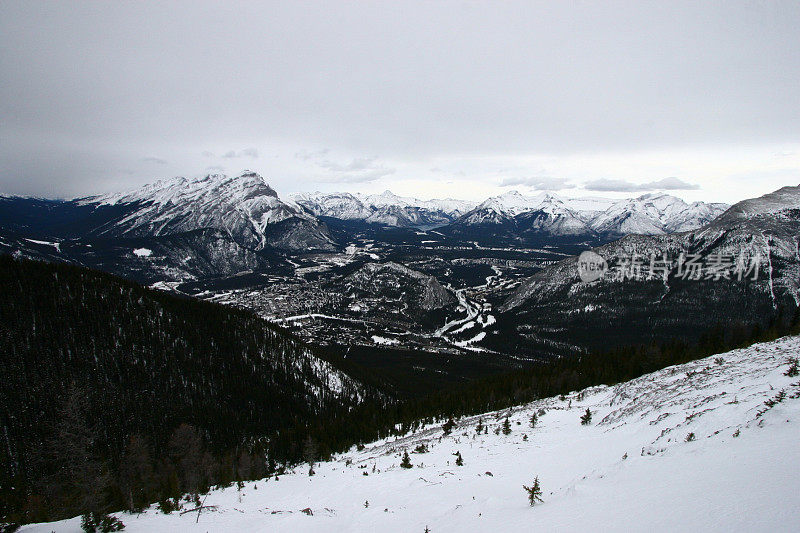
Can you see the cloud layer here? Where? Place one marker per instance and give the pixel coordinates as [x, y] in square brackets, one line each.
[90, 91]
[541, 183]
[666, 184]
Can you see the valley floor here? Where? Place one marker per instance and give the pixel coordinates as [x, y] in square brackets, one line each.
[634, 468]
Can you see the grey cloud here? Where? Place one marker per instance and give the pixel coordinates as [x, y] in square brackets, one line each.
[311, 156]
[156, 160]
[247, 152]
[666, 184]
[672, 184]
[97, 84]
[542, 183]
[357, 164]
[363, 177]
[357, 170]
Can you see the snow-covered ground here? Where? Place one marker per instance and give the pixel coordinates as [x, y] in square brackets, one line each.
[631, 469]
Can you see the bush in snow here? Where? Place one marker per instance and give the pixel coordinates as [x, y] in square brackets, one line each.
[459, 459]
[406, 463]
[100, 522]
[690, 437]
[167, 506]
[534, 492]
[586, 418]
[448, 426]
[793, 368]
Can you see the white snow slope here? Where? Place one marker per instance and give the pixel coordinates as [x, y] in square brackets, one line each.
[740, 473]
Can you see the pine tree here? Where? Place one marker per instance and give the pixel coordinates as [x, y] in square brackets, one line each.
[82, 479]
[506, 427]
[310, 453]
[448, 426]
[479, 428]
[586, 418]
[100, 523]
[534, 419]
[534, 492]
[137, 478]
[793, 369]
[459, 459]
[186, 449]
[406, 463]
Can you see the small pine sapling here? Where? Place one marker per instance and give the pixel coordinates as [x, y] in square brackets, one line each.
[459, 459]
[406, 463]
[534, 492]
[586, 418]
[506, 427]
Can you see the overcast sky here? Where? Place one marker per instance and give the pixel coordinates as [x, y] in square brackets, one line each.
[459, 99]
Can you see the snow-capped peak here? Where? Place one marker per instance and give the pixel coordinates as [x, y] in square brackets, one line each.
[386, 208]
[242, 206]
[180, 189]
[774, 202]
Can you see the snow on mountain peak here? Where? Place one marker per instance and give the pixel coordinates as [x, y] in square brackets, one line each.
[242, 206]
[784, 198]
[385, 208]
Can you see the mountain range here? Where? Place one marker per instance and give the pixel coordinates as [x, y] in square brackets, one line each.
[545, 213]
[743, 268]
[220, 226]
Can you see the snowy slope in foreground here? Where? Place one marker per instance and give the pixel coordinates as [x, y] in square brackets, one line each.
[741, 473]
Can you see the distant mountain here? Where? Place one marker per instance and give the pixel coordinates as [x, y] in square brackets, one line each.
[759, 237]
[245, 207]
[783, 202]
[548, 214]
[654, 214]
[545, 214]
[171, 230]
[387, 208]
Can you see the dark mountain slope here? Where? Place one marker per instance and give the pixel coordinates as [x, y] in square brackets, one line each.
[145, 362]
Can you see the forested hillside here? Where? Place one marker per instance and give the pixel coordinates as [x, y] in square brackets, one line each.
[115, 396]
[90, 361]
